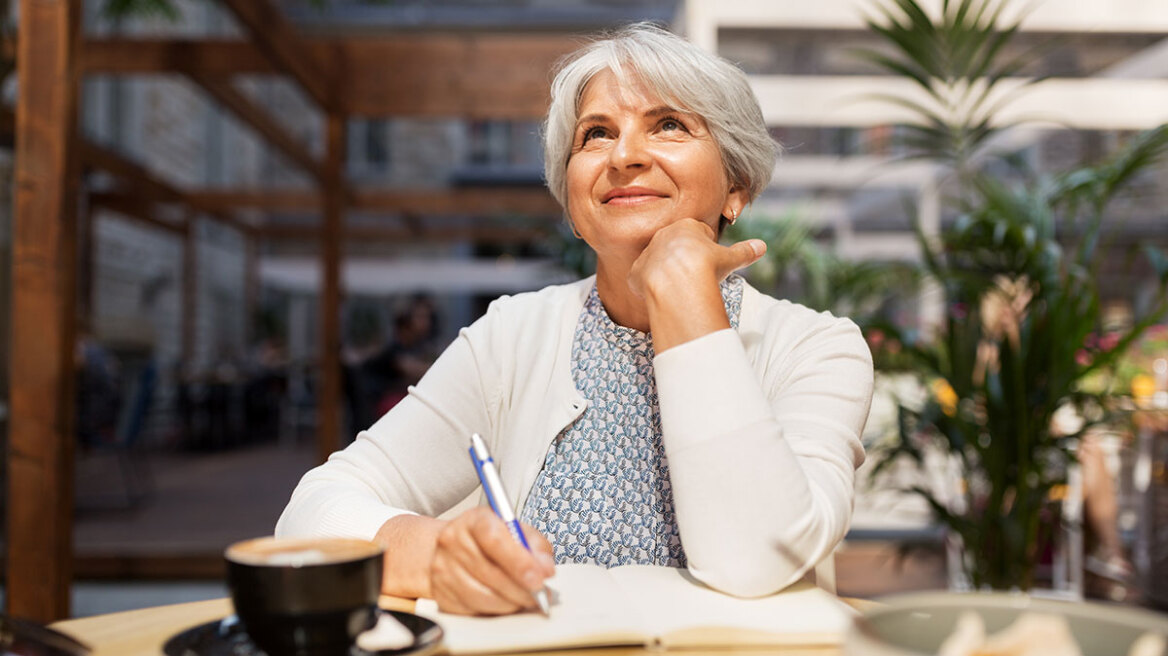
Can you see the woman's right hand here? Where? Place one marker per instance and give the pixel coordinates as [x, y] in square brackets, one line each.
[479, 569]
[469, 565]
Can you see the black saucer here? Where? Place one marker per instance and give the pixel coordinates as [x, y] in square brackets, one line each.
[226, 637]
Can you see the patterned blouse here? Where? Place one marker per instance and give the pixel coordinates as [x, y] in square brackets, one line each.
[604, 494]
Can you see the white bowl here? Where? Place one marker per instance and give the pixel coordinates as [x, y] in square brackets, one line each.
[916, 624]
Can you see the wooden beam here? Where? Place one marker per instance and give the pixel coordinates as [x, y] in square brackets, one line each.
[476, 75]
[134, 207]
[473, 76]
[44, 307]
[277, 38]
[534, 201]
[328, 423]
[258, 119]
[139, 178]
[280, 200]
[142, 181]
[217, 58]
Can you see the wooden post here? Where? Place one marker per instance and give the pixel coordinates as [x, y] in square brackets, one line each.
[329, 390]
[44, 306]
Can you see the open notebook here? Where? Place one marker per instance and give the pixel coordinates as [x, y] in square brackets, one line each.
[653, 606]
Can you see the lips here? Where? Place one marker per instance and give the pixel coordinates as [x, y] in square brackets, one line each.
[629, 195]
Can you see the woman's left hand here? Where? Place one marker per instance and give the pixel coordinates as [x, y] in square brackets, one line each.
[678, 275]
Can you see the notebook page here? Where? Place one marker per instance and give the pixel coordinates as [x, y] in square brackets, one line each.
[684, 612]
[587, 609]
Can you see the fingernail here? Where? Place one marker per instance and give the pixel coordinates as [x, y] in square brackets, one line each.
[759, 246]
[532, 580]
[547, 562]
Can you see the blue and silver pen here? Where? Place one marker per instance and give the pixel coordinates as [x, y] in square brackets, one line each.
[493, 486]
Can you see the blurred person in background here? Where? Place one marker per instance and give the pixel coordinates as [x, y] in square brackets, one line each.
[406, 357]
[99, 392]
[660, 412]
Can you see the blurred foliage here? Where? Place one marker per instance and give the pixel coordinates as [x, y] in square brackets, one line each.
[797, 267]
[1018, 269]
[572, 252]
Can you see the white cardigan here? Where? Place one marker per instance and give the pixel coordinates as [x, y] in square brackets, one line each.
[761, 428]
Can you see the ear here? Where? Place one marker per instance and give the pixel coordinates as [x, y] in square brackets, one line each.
[736, 201]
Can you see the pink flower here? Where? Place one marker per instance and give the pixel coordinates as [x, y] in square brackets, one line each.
[1082, 358]
[1109, 341]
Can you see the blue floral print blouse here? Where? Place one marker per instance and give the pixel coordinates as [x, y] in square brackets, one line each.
[604, 494]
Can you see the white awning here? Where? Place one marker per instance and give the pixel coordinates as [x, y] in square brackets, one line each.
[402, 276]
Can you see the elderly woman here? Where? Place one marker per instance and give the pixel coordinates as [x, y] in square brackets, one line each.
[661, 412]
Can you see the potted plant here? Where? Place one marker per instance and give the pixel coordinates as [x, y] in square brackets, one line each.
[1017, 266]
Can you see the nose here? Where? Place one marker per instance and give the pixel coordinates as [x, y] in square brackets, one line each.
[630, 151]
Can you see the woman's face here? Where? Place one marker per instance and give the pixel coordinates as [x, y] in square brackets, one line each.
[637, 166]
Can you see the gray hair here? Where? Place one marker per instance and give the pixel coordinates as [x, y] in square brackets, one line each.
[683, 76]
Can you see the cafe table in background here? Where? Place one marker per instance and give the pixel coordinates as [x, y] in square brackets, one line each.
[143, 632]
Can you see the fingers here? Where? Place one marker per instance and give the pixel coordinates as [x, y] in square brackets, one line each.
[740, 255]
[542, 549]
[478, 568]
[685, 256]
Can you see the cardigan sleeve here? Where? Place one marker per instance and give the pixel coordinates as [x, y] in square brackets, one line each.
[763, 459]
[412, 460]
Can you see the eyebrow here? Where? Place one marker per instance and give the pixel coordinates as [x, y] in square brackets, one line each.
[660, 110]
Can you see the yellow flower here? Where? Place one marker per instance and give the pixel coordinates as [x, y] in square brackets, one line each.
[946, 397]
[1143, 387]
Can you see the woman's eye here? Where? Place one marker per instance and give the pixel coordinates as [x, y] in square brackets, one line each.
[592, 133]
[671, 124]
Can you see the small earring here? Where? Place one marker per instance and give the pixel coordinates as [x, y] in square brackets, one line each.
[733, 215]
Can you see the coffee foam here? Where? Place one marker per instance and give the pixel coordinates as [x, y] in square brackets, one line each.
[276, 552]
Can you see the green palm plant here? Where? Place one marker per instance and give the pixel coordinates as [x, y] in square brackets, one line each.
[1018, 270]
[957, 60]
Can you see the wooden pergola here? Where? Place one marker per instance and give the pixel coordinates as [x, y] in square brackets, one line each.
[475, 75]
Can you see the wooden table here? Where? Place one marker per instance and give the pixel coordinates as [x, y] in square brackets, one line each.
[144, 632]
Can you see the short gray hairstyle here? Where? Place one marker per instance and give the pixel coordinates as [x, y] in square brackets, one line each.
[684, 76]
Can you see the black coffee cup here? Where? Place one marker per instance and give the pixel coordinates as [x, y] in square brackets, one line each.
[309, 597]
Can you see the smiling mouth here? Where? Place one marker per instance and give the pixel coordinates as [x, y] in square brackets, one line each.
[631, 200]
[631, 197]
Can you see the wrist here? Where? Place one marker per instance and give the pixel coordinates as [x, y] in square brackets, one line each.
[409, 542]
[684, 312]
